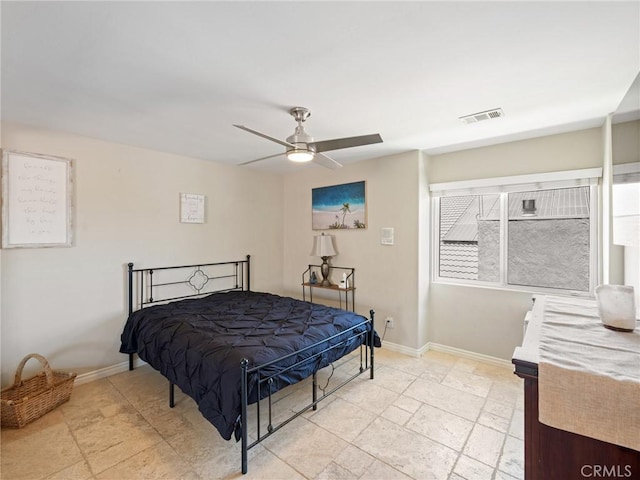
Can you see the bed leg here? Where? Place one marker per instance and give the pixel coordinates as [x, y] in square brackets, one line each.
[172, 398]
[371, 340]
[130, 361]
[314, 394]
[244, 363]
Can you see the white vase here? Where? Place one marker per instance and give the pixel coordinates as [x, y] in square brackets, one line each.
[616, 306]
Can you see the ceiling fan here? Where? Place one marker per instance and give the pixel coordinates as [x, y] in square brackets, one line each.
[300, 147]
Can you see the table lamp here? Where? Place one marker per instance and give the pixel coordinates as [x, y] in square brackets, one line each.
[323, 248]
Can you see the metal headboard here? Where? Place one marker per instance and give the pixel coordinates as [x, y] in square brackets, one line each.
[165, 284]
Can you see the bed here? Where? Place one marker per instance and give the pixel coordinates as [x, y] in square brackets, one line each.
[228, 347]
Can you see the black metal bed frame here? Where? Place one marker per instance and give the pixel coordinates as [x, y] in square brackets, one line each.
[239, 280]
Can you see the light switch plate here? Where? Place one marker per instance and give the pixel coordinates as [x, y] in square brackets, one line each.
[386, 236]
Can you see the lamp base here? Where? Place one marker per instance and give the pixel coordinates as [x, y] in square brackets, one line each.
[324, 270]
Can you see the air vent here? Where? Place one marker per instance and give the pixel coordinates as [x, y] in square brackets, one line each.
[480, 116]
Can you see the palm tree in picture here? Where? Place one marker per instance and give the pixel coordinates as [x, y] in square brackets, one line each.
[345, 209]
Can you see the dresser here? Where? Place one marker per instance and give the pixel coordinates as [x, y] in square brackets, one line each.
[566, 453]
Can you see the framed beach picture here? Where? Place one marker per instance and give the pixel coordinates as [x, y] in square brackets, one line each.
[339, 207]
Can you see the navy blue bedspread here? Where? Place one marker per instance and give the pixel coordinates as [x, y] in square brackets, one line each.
[198, 344]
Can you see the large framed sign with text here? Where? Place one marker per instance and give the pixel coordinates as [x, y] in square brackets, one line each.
[37, 194]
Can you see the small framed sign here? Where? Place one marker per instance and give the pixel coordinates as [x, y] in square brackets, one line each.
[191, 208]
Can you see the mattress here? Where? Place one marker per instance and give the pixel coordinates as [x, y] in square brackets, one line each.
[198, 344]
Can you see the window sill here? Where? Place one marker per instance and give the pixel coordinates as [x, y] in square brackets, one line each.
[515, 289]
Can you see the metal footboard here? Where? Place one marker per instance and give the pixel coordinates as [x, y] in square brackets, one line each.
[265, 381]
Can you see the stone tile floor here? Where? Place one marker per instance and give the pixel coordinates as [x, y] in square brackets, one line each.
[434, 417]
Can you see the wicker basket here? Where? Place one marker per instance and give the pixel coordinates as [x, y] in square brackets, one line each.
[28, 400]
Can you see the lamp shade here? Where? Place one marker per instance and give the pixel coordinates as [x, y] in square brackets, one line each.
[323, 246]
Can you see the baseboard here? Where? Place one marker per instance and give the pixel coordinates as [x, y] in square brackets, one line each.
[467, 354]
[106, 371]
[437, 347]
[412, 352]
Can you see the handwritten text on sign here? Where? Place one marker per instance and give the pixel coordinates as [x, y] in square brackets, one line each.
[37, 200]
[191, 208]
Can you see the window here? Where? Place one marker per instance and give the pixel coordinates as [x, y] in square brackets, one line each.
[534, 232]
[626, 204]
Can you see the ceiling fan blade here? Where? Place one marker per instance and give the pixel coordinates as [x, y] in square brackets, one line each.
[264, 135]
[325, 161]
[261, 158]
[347, 142]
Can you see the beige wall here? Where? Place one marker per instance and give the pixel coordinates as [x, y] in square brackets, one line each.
[625, 140]
[484, 320]
[394, 280]
[386, 276]
[569, 151]
[69, 304]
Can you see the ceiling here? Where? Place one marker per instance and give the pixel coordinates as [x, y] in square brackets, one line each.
[175, 76]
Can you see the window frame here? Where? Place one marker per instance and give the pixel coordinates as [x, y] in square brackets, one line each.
[503, 186]
[623, 174]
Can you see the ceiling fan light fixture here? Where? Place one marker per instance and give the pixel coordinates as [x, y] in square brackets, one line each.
[301, 148]
[300, 156]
